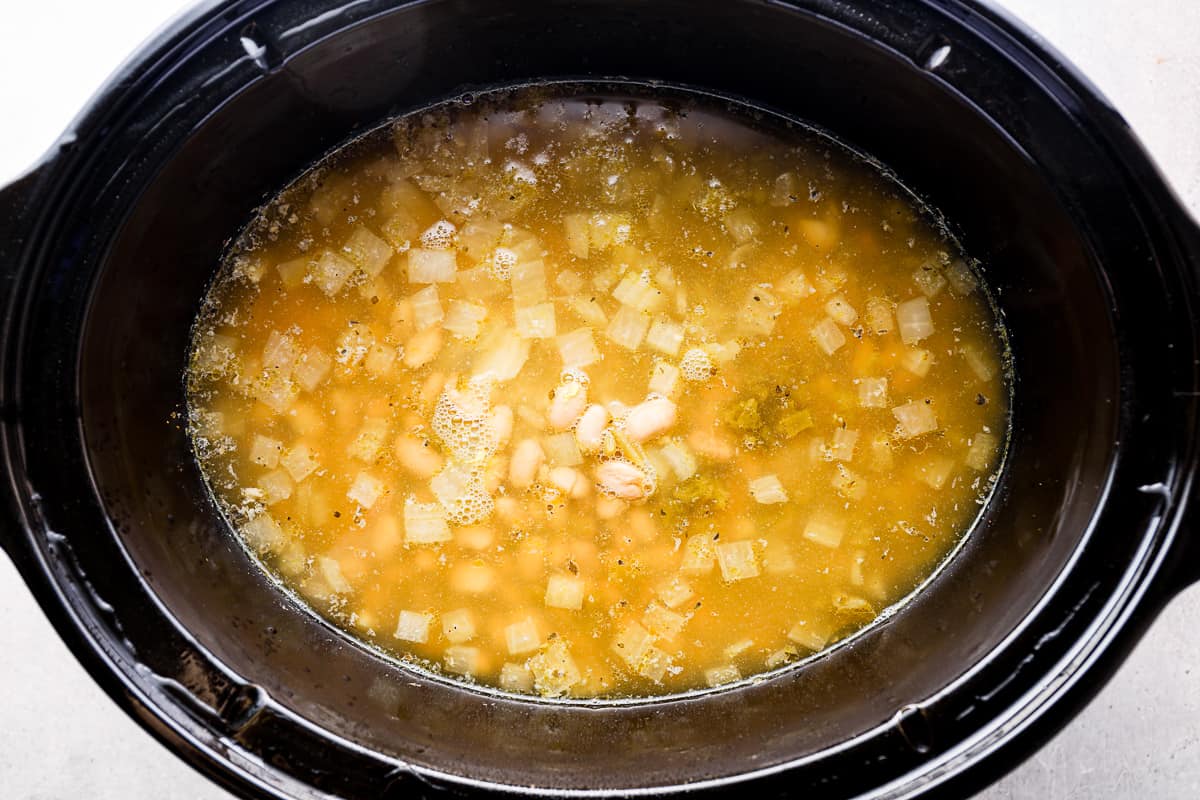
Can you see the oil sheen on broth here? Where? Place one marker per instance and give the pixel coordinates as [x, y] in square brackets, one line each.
[597, 397]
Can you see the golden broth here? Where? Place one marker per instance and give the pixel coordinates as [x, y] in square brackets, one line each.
[597, 397]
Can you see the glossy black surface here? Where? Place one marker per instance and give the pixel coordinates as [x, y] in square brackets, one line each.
[106, 249]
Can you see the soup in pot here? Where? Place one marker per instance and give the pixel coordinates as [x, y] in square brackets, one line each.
[598, 396]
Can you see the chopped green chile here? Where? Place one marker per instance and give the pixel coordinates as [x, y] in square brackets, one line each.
[598, 397]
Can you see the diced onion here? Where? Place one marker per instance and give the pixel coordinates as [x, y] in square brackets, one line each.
[737, 648]
[299, 462]
[915, 418]
[768, 490]
[675, 592]
[665, 336]
[698, 554]
[463, 319]
[879, 316]
[458, 626]
[292, 274]
[778, 558]
[654, 664]
[522, 637]
[535, 322]
[631, 642]
[413, 626]
[872, 392]
[424, 523]
[331, 571]
[914, 321]
[575, 228]
[847, 483]
[370, 440]
[431, 266]
[842, 445]
[980, 364]
[564, 591]
[783, 190]
[439, 235]
[664, 378]
[917, 361]
[935, 471]
[824, 532]
[742, 225]
[462, 659]
[263, 533]
[819, 234]
[554, 671]
[311, 369]
[529, 283]
[662, 622]
[840, 310]
[365, 490]
[276, 391]
[480, 236]
[718, 676]
[400, 229]
[795, 286]
[279, 352]
[264, 451]
[982, 451]
[504, 359]
[569, 281]
[276, 487]
[562, 450]
[331, 272]
[759, 312]
[588, 309]
[638, 291]
[577, 348]
[516, 678]
[368, 252]
[807, 635]
[780, 657]
[679, 458]
[828, 336]
[929, 280]
[723, 352]
[380, 359]
[737, 560]
[962, 280]
[478, 283]
[628, 327]
[606, 230]
[427, 308]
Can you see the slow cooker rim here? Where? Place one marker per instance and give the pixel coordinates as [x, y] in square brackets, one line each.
[74, 627]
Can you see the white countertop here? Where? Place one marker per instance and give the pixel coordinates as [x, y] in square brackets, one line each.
[61, 738]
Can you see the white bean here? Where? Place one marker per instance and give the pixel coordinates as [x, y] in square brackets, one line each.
[526, 460]
[569, 401]
[421, 348]
[502, 424]
[417, 456]
[564, 479]
[610, 507]
[649, 418]
[624, 480]
[590, 430]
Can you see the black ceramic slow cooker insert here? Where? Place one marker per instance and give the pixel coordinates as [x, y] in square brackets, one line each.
[107, 246]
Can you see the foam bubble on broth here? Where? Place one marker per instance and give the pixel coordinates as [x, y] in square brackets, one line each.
[598, 396]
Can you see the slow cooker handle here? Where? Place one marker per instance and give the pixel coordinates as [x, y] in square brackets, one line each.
[1187, 571]
[16, 212]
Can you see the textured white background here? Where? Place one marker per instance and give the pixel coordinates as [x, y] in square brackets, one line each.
[61, 738]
